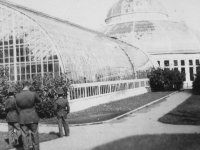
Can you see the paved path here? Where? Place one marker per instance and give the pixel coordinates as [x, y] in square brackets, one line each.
[138, 123]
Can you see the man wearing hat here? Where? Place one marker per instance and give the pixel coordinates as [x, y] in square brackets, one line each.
[28, 117]
[12, 117]
[62, 108]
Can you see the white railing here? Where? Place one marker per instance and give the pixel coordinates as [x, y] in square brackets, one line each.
[82, 91]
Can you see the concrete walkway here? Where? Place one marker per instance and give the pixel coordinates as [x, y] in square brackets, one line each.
[138, 123]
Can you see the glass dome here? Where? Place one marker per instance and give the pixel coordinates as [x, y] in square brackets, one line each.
[33, 43]
[129, 9]
[156, 37]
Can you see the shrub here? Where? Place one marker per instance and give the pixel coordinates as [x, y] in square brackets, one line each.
[3, 90]
[196, 83]
[165, 79]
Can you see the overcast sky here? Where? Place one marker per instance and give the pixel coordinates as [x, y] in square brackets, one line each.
[92, 13]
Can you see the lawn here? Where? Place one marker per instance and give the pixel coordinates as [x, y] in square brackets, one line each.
[43, 137]
[155, 142]
[110, 110]
[187, 113]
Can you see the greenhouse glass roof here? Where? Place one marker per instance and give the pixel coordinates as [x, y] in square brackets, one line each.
[81, 52]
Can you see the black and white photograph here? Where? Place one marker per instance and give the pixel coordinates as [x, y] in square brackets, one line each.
[99, 75]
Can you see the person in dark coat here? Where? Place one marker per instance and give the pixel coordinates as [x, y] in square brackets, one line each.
[12, 118]
[28, 117]
[62, 108]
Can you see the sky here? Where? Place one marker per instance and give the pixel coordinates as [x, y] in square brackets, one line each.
[92, 13]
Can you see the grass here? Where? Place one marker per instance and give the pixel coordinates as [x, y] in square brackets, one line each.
[187, 113]
[42, 136]
[155, 142]
[110, 110]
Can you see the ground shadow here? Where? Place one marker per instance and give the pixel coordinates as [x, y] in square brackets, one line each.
[54, 133]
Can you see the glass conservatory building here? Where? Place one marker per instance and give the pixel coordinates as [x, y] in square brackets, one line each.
[33, 43]
[145, 24]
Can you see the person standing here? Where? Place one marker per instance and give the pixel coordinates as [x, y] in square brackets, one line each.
[62, 108]
[12, 118]
[28, 117]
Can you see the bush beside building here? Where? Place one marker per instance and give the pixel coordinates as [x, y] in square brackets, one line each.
[165, 79]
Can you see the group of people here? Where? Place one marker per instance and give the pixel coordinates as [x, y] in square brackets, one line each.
[22, 116]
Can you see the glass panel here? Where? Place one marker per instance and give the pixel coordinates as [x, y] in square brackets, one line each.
[28, 77]
[27, 50]
[56, 67]
[27, 58]
[33, 68]
[175, 63]
[166, 63]
[18, 60]
[6, 52]
[10, 41]
[191, 74]
[23, 77]
[22, 68]
[50, 67]
[1, 54]
[17, 49]
[6, 60]
[12, 68]
[190, 62]
[197, 61]
[11, 52]
[22, 51]
[45, 67]
[11, 59]
[18, 69]
[28, 68]
[55, 57]
[182, 62]
[39, 67]
[22, 59]
[18, 77]
[183, 71]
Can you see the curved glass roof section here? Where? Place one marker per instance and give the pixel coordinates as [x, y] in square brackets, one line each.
[24, 49]
[156, 36]
[85, 54]
[125, 7]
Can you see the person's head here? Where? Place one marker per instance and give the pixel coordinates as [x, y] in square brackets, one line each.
[26, 85]
[11, 91]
